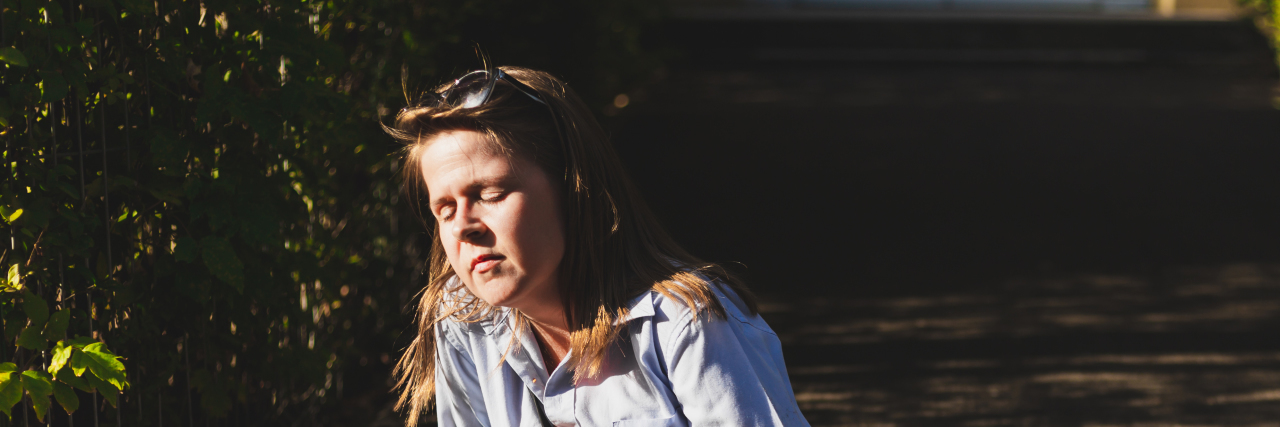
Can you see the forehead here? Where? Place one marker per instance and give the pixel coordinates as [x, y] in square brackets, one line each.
[461, 158]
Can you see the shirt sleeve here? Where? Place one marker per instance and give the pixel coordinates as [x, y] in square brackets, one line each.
[456, 383]
[730, 372]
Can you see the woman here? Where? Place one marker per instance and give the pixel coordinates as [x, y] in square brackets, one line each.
[554, 297]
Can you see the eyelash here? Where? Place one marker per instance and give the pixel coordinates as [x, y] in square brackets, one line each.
[447, 213]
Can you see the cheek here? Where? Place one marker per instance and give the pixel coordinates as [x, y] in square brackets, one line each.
[450, 246]
[553, 234]
[553, 249]
[451, 252]
[546, 234]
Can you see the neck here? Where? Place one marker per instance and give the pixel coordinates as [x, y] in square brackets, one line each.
[549, 324]
[544, 307]
[547, 317]
[551, 330]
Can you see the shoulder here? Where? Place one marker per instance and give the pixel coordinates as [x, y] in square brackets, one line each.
[681, 314]
[688, 341]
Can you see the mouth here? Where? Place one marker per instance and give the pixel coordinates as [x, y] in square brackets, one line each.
[483, 263]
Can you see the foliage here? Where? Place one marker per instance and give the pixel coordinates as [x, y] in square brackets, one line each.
[1268, 14]
[81, 362]
[204, 186]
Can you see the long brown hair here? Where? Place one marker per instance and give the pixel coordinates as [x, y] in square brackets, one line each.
[615, 249]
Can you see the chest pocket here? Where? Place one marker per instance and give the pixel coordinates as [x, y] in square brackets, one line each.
[674, 421]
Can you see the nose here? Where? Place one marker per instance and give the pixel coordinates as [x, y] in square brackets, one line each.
[467, 226]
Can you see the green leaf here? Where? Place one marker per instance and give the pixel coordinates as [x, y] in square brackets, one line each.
[66, 375]
[106, 389]
[57, 326]
[31, 338]
[67, 189]
[7, 367]
[104, 365]
[13, 56]
[223, 262]
[81, 342]
[66, 397]
[185, 249]
[5, 111]
[39, 388]
[61, 355]
[13, 216]
[10, 391]
[13, 323]
[38, 214]
[37, 310]
[79, 363]
[13, 281]
[55, 87]
[101, 269]
[84, 27]
[37, 382]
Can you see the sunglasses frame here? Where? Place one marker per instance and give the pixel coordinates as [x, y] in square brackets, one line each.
[449, 99]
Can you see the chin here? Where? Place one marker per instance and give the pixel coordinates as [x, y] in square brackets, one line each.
[496, 294]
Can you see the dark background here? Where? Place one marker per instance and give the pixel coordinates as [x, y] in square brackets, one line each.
[915, 150]
[984, 220]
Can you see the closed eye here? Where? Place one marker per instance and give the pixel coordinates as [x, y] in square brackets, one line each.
[445, 213]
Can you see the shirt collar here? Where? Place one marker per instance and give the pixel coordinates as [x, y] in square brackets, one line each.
[500, 322]
[640, 307]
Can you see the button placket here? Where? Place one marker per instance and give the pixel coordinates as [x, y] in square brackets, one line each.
[560, 398]
[524, 359]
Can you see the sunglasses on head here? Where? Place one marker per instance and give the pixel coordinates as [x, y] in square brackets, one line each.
[474, 89]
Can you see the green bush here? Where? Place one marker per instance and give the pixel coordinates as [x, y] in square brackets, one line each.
[203, 212]
[1267, 13]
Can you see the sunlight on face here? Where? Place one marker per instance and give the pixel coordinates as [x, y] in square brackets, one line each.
[499, 220]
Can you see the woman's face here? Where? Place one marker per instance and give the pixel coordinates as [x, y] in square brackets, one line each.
[499, 220]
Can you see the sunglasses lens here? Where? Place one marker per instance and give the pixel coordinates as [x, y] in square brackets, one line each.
[470, 91]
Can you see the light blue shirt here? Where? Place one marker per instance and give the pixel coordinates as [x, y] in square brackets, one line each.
[668, 370]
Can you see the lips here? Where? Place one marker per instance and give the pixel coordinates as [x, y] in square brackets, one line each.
[483, 263]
